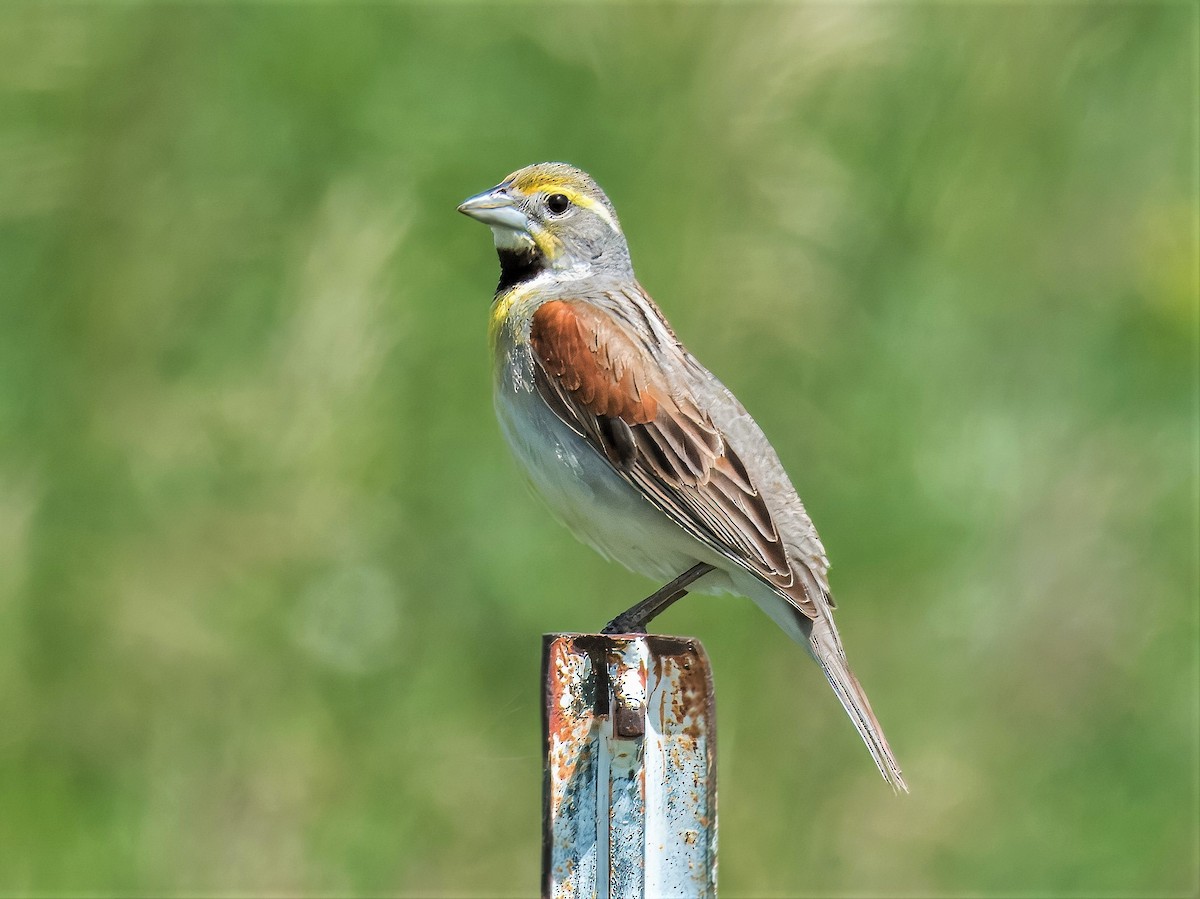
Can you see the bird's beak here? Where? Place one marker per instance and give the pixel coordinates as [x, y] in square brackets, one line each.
[495, 207]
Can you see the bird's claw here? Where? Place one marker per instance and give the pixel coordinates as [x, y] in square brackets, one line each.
[621, 626]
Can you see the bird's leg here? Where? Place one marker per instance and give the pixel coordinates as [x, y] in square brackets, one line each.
[634, 620]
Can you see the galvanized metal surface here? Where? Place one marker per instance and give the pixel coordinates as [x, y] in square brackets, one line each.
[630, 793]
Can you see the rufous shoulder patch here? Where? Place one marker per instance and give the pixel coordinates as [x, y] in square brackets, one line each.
[593, 361]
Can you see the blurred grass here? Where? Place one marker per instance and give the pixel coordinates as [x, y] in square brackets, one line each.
[271, 589]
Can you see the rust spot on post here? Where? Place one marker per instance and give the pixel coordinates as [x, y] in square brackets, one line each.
[630, 777]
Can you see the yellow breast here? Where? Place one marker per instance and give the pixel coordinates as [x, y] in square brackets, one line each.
[511, 311]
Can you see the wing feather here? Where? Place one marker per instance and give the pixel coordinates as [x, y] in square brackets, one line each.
[600, 381]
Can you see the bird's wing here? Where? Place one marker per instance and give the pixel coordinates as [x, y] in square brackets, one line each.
[603, 382]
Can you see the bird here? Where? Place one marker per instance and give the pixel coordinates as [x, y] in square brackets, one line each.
[639, 450]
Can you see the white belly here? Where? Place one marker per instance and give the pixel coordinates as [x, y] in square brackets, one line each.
[583, 491]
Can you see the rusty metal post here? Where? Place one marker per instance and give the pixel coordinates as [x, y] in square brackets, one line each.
[630, 788]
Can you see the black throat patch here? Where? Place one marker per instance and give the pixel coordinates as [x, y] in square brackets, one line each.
[517, 266]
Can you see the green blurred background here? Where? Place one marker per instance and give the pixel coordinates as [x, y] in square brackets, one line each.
[272, 591]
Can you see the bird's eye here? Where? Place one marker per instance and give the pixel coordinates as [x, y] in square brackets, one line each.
[557, 204]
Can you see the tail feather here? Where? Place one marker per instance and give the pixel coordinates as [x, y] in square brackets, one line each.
[827, 650]
[820, 638]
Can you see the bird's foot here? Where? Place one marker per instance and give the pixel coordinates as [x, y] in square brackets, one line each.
[625, 624]
[634, 620]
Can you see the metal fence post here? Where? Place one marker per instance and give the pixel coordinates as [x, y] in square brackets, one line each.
[630, 786]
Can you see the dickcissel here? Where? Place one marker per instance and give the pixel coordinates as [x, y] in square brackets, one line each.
[635, 446]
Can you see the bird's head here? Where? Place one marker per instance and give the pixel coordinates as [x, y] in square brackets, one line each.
[551, 216]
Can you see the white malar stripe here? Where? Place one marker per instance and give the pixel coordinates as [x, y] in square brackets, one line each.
[511, 238]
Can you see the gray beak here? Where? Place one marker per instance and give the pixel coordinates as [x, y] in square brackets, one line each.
[497, 208]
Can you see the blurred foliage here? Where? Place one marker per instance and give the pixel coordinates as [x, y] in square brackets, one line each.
[271, 589]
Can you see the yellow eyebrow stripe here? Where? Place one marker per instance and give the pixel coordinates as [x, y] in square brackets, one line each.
[551, 185]
[584, 202]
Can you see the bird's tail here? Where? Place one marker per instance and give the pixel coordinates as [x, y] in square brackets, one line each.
[826, 648]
